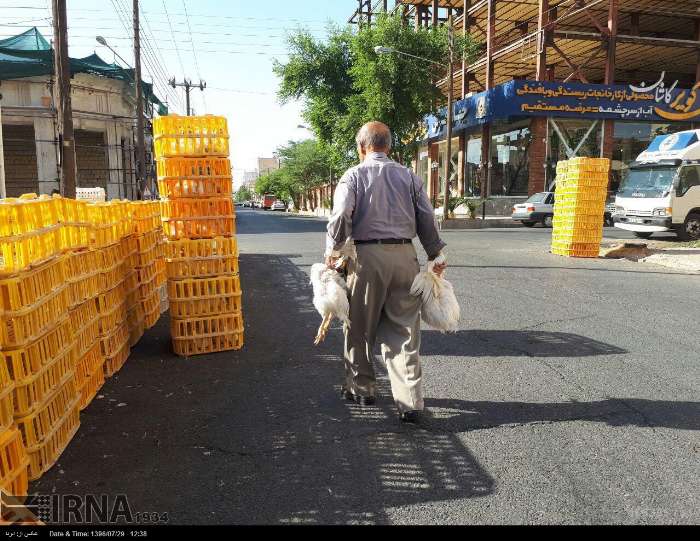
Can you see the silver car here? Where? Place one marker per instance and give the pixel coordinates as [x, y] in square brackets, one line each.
[279, 205]
[539, 208]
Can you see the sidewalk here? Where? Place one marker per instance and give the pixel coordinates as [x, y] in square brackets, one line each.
[674, 255]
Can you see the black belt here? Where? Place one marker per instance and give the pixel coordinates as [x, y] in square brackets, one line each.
[384, 241]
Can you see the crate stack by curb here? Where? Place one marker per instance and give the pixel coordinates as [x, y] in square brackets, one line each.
[579, 210]
[194, 177]
[37, 344]
[148, 264]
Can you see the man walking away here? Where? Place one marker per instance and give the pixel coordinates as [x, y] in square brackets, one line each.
[382, 206]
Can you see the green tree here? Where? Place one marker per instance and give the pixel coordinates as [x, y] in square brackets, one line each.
[344, 83]
[243, 194]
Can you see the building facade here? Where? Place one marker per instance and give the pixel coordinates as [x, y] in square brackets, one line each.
[555, 79]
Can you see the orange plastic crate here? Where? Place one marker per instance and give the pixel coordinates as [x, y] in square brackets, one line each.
[151, 303]
[112, 319]
[31, 391]
[145, 259]
[146, 289]
[113, 343]
[152, 317]
[204, 248]
[186, 187]
[203, 288]
[84, 314]
[131, 281]
[136, 332]
[28, 287]
[24, 326]
[196, 208]
[207, 327]
[187, 347]
[146, 274]
[116, 362]
[199, 228]
[43, 456]
[203, 267]
[205, 307]
[6, 408]
[37, 426]
[111, 299]
[13, 463]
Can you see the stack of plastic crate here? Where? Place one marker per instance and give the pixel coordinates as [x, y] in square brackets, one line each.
[149, 260]
[579, 210]
[111, 224]
[194, 177]
[37, 343]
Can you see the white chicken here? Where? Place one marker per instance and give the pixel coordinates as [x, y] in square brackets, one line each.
[440, 308]
[331, 292]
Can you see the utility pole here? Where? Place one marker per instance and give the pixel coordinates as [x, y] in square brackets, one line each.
[188, 86]
[141, 175]
[65, 108]
[3, 191]
[448, 163]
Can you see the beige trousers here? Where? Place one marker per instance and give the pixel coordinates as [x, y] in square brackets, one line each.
[382, 308]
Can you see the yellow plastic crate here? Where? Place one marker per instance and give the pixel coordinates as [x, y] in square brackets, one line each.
[20, 252]
[151, 303]
[44, 455]
[196, 208]
[29, 393]
[89, 376]
[37, 426]
[204, 248]
[83, 289]
[24, 362]
[27, 214]
[21, 327]
[113, 318]
[193, 136]
[13, 464]
[7, 418]
[29, 287]
[189, 187]
[79, 264]
[152, 317]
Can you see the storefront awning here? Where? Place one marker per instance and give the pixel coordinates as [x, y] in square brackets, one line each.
[660, 101]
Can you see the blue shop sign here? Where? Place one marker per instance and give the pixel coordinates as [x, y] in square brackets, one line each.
[654, 103]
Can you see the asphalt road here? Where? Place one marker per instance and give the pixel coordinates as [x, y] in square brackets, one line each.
[569, 395]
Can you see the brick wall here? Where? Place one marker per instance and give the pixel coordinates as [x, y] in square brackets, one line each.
[21, 174]
[538, 156]
[91, 158]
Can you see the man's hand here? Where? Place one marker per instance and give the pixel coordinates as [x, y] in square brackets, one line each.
[331, 262]
[439, 269]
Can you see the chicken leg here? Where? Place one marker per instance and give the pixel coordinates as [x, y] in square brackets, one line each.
[323, 329]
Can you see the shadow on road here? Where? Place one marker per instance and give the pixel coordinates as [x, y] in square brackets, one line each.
[575, 269]
[460, 416]
[494, 343]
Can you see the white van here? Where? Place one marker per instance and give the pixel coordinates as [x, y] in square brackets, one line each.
[662, 189]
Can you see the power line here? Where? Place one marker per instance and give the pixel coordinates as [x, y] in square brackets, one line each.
[172, 35]
[194, 54]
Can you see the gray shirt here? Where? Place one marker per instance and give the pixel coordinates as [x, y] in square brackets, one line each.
[375, 200]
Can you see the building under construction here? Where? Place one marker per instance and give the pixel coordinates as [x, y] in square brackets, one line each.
[554, 79]
[103, 115]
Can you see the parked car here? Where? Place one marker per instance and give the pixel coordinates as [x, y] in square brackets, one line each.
[279, 205]
[537, 209]
[610, 211]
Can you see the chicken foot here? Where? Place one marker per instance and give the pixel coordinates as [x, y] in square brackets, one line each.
[323, 329]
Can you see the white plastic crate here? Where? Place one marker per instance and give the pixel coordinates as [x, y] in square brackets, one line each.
[93, 195]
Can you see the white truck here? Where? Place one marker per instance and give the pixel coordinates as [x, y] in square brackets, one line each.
[662, 189]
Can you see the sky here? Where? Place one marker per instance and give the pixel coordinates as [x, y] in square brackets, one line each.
[230, 44]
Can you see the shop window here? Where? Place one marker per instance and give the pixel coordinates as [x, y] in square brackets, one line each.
[472, 183]
[442, 164]
[510, 161]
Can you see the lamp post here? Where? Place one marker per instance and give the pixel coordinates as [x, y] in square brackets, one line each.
[448, 165]
[140, 129]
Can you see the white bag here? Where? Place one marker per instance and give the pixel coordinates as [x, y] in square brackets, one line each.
[440, 307]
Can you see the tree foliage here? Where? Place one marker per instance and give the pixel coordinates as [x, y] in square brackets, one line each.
[304, 165]
[243, 194]
[344, 83]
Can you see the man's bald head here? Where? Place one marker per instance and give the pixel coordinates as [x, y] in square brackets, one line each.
[374, 137]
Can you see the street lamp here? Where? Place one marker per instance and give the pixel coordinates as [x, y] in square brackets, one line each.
[380, 50]
[102, 41]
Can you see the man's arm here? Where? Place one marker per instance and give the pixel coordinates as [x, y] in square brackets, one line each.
[340, 222]
[425, 221]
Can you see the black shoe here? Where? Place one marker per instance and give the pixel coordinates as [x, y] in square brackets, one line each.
[412, 417]
[361, 400]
